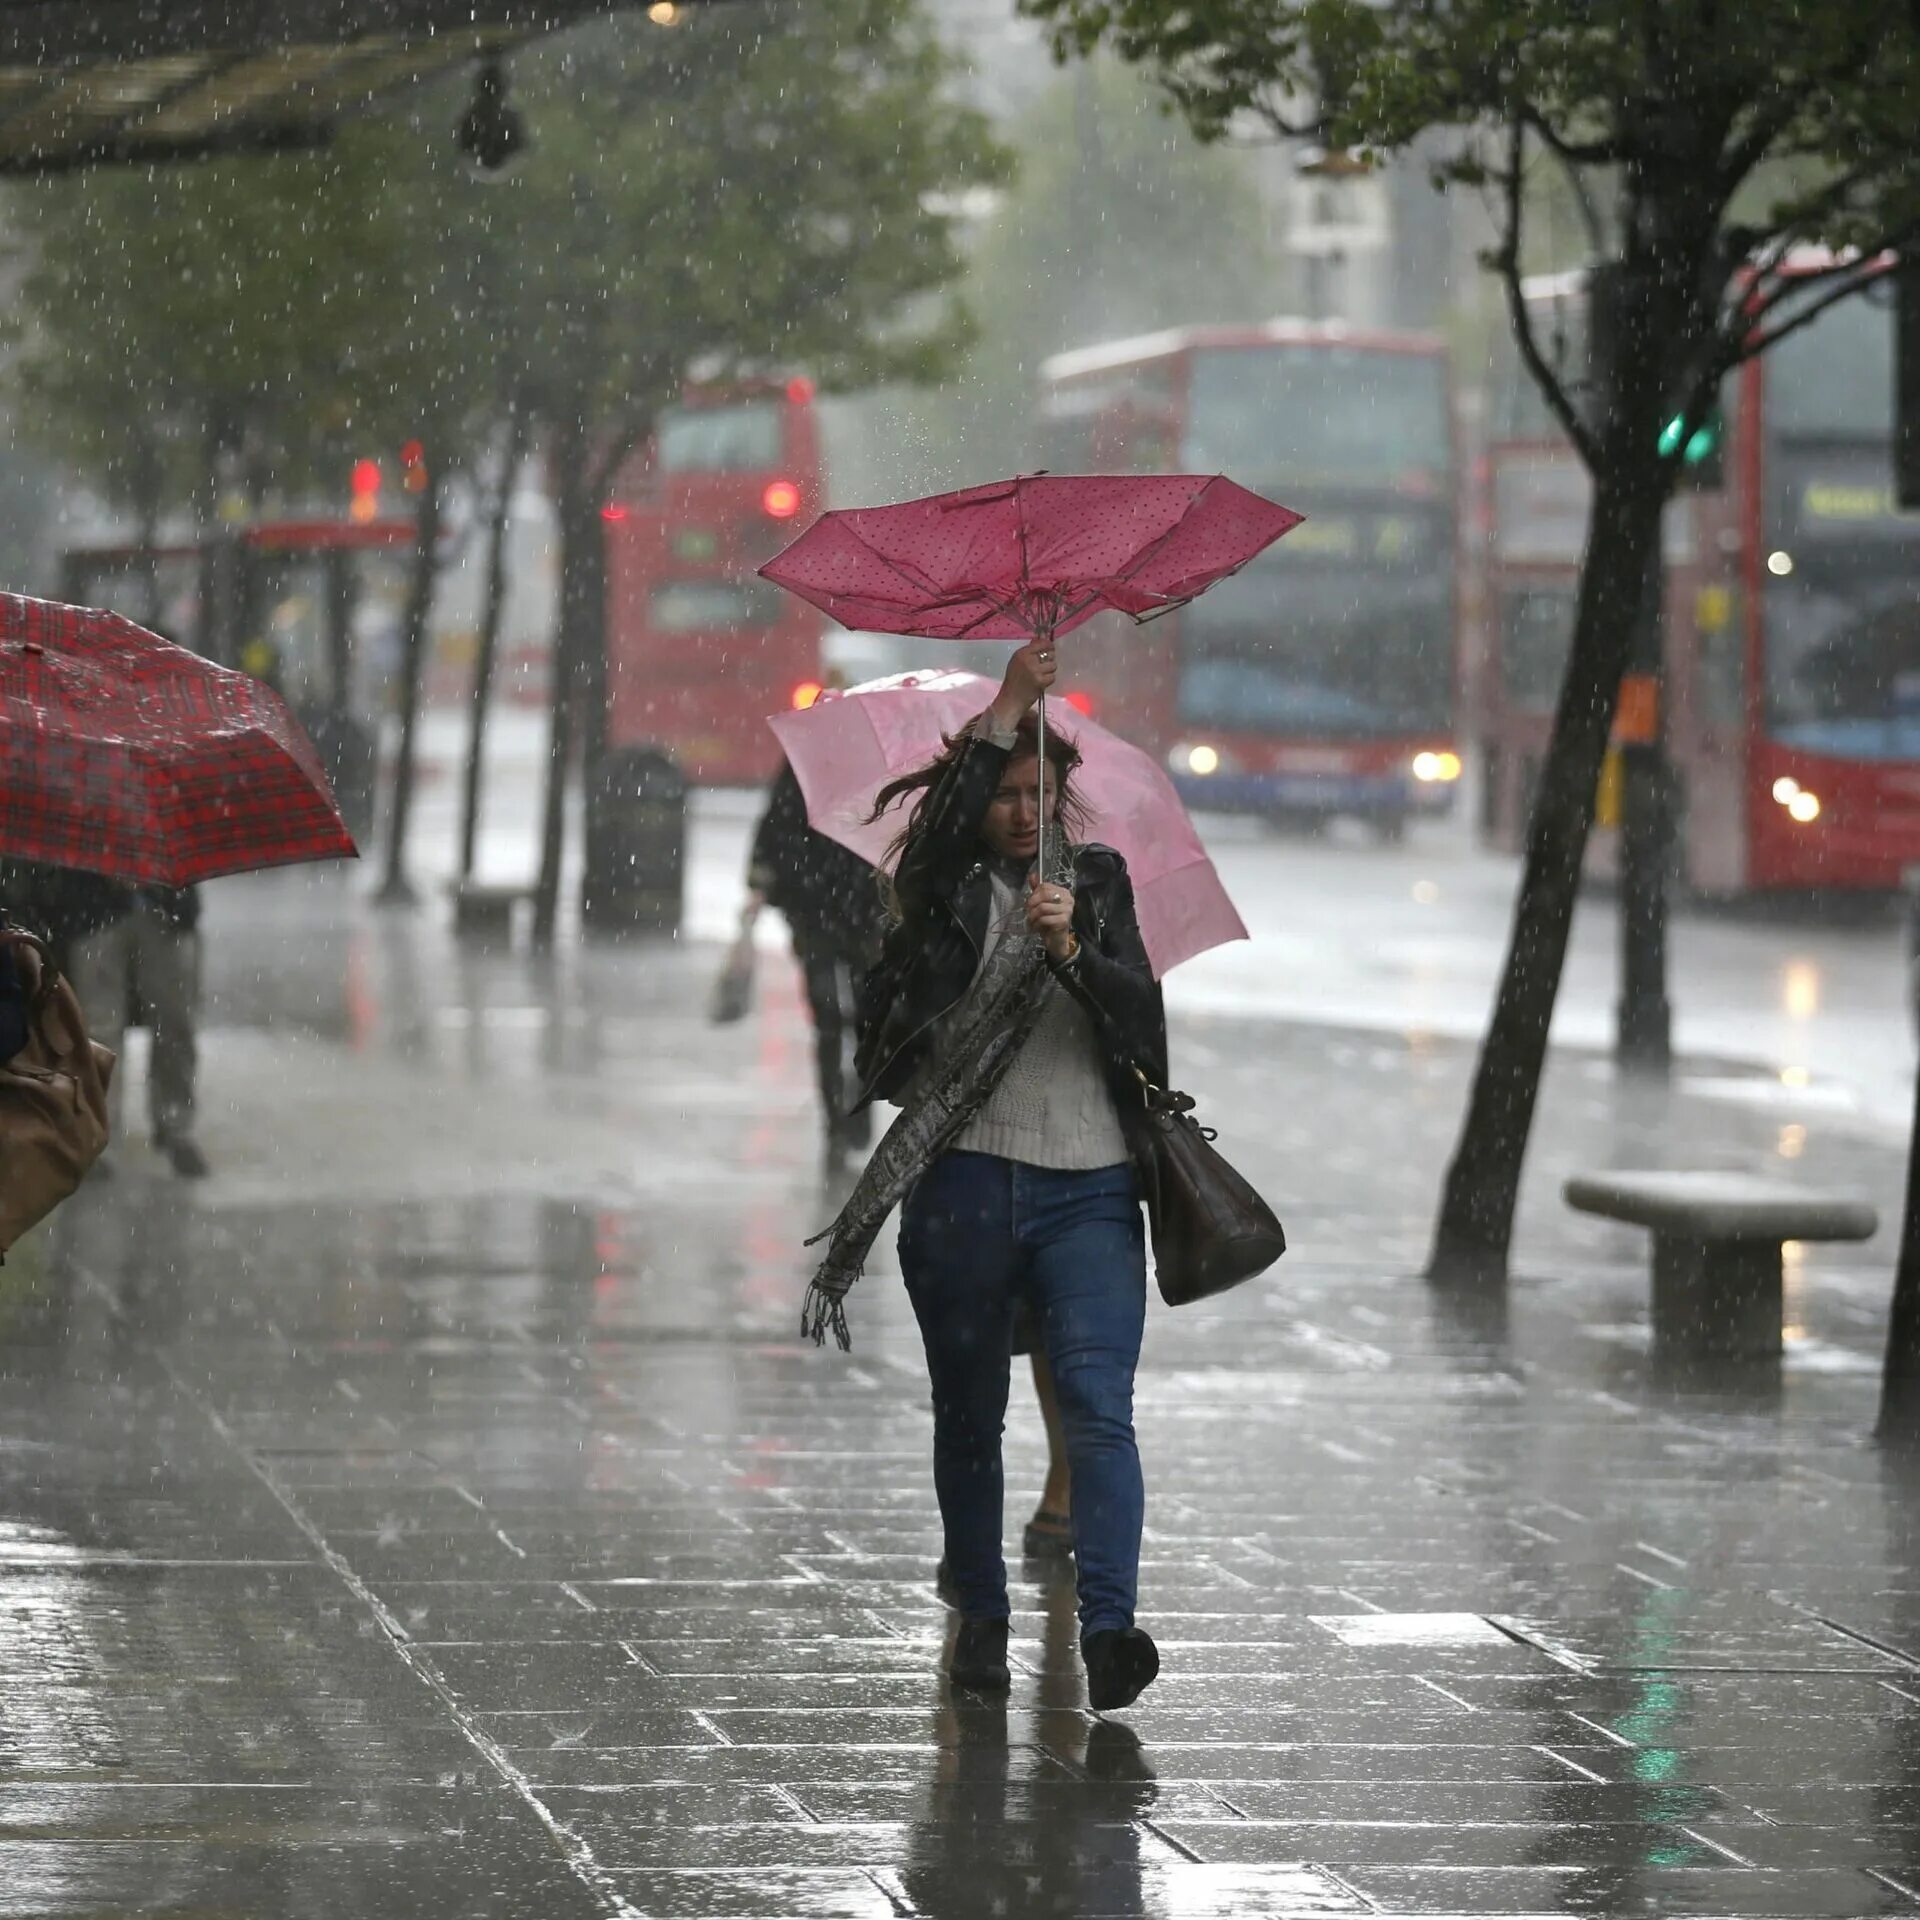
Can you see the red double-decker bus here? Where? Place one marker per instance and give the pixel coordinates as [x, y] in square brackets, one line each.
[699, 648]
[1322, 678]
[1791, 647]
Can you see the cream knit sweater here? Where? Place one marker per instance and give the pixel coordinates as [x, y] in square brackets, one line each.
[1052, 1107]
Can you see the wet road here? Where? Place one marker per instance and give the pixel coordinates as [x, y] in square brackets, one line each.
[433, 1514]
[1404, 939]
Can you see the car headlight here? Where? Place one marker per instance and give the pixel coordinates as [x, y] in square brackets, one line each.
[1432, 768]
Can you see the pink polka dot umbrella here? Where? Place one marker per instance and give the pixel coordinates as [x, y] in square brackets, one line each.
[1029, 558]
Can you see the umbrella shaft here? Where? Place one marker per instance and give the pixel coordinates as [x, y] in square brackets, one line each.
[1040, 773]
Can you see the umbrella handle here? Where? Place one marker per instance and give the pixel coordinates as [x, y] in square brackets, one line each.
[1040, 774]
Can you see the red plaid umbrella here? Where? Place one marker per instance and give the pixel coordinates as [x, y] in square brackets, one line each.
[123, 754]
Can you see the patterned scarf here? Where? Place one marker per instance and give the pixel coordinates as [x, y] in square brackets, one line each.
[993, 1024]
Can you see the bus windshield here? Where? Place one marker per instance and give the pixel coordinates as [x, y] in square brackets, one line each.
[743, 437]
[1322, 652]
[1842, 625]
[1843, 664]
[1328, 416]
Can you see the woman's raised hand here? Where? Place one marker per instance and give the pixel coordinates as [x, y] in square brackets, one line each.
[1029, 674]
[1050, 915]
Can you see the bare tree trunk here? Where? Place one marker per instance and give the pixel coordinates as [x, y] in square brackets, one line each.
[489, 641]
[395, 888]
[1900, 1381]
[148, 487]
[580, 629]
[1475, 1229]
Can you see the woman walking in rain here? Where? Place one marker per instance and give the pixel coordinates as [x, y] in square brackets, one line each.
[1005, 1017]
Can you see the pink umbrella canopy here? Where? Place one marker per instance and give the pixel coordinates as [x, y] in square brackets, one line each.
[1038, 554]
[846, 746]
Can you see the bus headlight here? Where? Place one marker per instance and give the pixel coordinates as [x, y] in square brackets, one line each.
[1799, 803]
[1198, 757]
[1429, 768]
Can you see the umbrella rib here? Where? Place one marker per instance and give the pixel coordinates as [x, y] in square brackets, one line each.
[1147, 553]
[919, 582]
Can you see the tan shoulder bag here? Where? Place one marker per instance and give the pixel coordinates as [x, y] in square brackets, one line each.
[53, 1096]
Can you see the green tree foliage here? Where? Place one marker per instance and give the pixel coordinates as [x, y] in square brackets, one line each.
[1118, 222]
[760, 187]
[294, 307]
[1707, 141]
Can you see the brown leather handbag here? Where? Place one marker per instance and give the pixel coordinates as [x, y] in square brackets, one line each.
[53, 1096]
[1211, 1229]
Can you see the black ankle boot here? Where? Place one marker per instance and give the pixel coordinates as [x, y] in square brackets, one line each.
[979, 1660]
[1121, 1665]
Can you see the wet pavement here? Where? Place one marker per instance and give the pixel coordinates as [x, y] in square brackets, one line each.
[433, 1513]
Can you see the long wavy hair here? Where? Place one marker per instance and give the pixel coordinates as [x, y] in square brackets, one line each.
[1063, 758]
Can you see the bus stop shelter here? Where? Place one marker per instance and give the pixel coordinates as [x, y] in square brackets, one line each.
[99, 82]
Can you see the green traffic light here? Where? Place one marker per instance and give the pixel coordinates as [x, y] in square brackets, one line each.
[1701, 444]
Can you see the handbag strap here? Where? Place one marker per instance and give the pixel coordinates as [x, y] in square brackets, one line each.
[1156, 1098]
[13, 936]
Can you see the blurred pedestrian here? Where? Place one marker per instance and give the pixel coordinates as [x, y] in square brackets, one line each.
[131, 954]
[1011, 1158]
[165, 935]
[830, 899]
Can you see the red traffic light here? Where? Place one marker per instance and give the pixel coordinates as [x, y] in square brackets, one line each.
[366, 477]
[781, 499]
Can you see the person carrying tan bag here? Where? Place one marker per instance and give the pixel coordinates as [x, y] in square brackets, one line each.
[53, 1092]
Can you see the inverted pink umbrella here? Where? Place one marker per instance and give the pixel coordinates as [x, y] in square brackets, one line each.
[1029, 558]
[846, 746]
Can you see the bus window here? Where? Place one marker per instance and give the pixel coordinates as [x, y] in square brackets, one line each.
[1520, 410]
[1843, 666]
[742, 438]
[1324, 417]
[1329, 653]
[1833, 380]
[711, 606]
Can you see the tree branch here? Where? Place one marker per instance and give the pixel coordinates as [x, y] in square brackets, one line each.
[1575, 153]
[626, 433]
[1761, 340]
[1508, 262]
[1570, 165]
[1857, 267]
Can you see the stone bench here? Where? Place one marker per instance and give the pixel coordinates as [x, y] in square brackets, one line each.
[485, 912]
[1716, 1250]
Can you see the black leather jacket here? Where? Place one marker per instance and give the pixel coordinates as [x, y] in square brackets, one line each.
[933, 950]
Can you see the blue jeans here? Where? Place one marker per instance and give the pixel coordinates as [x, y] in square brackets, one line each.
[975, 1231]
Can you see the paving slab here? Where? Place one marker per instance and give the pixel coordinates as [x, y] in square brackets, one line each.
[433, 1512]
